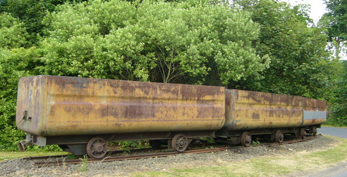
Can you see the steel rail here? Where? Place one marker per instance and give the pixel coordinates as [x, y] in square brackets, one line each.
[63, 161]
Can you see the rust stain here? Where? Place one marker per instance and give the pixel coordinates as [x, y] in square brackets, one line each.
[255, 116]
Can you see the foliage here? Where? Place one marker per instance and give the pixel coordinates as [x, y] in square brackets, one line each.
[300, 64]
[15, 62]
[75, 39]
[335, 20]
[339, 103]
[152, 41]
[128, 145]
[84, 164]
[13, 65]
[12, 32]
[31, 13]
[47, 148]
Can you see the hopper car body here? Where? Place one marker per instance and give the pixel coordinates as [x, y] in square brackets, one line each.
[82, 114]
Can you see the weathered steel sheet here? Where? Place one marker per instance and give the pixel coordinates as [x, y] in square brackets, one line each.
[256, 110]
[81, 106]
[315, 112]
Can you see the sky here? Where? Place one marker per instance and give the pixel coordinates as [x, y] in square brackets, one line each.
[318, 8]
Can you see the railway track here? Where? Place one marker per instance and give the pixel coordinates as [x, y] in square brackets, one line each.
[43, 161]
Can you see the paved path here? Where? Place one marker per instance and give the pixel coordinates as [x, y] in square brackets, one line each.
[340, 170]
[332, 131]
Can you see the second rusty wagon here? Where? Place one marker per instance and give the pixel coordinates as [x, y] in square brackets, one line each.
[251, 113]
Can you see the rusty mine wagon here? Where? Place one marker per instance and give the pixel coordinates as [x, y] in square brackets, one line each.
[82, 114]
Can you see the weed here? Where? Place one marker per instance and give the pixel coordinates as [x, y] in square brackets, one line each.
[71, 156]
[84, 163]
[255, 143]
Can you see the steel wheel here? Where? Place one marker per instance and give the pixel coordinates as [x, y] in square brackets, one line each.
[246, 139]
[96, 148]
[179, 143]
[279, 136]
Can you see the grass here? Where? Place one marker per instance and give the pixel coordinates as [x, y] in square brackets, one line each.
[14, 155]
[332, 155]
[301, 162]
[334, 125]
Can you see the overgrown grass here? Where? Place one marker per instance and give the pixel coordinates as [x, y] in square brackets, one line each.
[265, 166]
[332, 155]
[14, 155]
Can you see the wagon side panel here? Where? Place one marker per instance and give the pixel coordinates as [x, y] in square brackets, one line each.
[258, 110]
[84, 106]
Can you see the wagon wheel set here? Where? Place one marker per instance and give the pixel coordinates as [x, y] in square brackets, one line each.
[97, 147]
[278, 135]
[246, 138]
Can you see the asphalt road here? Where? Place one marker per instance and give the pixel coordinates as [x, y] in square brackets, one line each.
[340, 170]
[332, 131]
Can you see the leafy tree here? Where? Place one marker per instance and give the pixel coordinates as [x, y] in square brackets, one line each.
[151, 41]
[15, 62]
[300, 64]
[31, 12]
[339, 103]
[75, 43]
[336, 22]
[12, 32]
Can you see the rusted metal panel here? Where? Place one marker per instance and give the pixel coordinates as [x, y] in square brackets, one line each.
[29, 104]
[254, 110]
[82, 106]
[315, 112]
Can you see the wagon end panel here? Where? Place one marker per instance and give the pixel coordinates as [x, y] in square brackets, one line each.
[31, 98]
[314, 112]
[257, 110]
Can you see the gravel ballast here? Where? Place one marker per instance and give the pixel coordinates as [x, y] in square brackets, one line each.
[20, 167]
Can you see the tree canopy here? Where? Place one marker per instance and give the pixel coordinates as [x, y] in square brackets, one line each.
[300, 63]
[12, 32]
[339, 103]
[336, 18]
[153, 41]
[336, 23]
